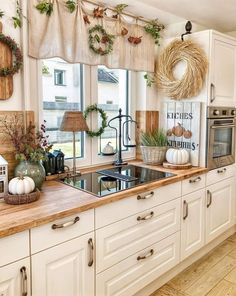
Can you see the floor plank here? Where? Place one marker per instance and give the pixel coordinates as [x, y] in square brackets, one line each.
[210, 278]
[190, 275]
[223, 288]
[231, 277]
[233, 253]
[232, 238]
[168, 291]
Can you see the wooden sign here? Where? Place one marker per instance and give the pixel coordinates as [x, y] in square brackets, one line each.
[6, 83]
[181, 120]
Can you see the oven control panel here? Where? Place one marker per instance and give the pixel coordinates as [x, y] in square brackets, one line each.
[221, 112]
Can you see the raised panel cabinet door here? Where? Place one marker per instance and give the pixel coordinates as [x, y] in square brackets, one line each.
[15, 279]
[223, 65]
[119, 240]
[132, 274]
[65, 270]
[193, 223]
[219, 208]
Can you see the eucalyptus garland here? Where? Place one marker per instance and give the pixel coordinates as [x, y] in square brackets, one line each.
[17, 55]
[98, 37]
[94, 108]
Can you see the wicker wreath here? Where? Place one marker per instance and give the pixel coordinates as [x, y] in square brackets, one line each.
[194, 76]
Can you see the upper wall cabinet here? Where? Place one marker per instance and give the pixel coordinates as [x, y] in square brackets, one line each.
[222, 71]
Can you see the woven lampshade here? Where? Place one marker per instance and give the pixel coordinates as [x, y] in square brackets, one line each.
[73, 121]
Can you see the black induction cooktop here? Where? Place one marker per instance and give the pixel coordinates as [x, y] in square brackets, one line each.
[105, 182]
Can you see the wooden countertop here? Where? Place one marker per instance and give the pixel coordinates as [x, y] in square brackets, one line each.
[59, 200]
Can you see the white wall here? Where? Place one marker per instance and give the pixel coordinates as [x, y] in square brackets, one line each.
[16, 102]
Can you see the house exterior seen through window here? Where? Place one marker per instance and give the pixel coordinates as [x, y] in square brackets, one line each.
[59, 77]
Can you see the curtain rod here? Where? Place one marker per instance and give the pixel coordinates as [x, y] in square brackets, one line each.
[142, 19]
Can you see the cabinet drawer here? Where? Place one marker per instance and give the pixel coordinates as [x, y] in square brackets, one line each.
[129, 206]
[119, 240]
[14, 247]
[192, 184]
[220, 174]
[132, 274]
[48, 235]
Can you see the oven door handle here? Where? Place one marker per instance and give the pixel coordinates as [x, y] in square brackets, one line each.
[223, 126]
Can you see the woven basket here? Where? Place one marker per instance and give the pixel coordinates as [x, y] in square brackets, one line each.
[153, 154]
[19, 199]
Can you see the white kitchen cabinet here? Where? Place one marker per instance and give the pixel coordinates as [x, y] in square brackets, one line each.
[119, 240]
[219, 208]
[66, 269]
[222, 65]
[15, 278]
[193, 223]
[132, 274]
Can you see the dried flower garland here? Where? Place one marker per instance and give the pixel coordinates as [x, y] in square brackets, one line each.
[193, 79]
[98, 37]
[94, 108]
[17, 63]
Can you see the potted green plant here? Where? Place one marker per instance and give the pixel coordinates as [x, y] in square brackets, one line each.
[154, 146]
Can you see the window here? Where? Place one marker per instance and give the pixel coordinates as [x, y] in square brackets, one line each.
[57, 101]
[113, 93]
[59, 77]
[85, 85]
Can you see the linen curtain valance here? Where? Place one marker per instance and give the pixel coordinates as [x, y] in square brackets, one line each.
[65, 35]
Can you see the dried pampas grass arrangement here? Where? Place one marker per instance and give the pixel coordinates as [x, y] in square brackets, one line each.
[193, 79]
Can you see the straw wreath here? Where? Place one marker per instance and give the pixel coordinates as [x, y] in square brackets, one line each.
[193, 79]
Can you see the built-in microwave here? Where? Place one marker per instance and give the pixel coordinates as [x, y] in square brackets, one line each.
[220, 136]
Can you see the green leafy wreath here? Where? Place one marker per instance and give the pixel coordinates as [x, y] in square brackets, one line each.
[94, 108]
[96, 40]
[18, 61]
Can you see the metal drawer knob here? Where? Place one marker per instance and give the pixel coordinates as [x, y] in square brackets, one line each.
[221, 171]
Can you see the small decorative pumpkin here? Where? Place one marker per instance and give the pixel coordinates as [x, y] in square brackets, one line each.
[21, 185]
[187, 134]
[178, 130]
[169, 132]
[177, 156]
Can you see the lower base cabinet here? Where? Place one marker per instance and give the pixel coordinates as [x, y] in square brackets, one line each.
[134, 273]
[219, 208]
[15, 278]
[193, 223]
[65, 270]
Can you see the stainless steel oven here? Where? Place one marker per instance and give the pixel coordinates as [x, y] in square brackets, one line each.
[220, 136]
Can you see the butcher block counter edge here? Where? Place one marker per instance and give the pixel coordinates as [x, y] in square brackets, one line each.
[59, 201]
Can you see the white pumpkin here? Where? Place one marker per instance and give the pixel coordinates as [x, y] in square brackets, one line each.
[21, 185]
[177, 156]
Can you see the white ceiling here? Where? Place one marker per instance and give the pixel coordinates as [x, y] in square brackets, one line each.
[214, 14]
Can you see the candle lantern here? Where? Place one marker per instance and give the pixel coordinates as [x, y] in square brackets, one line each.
[3, 176]
[50, 164]
[59, 160]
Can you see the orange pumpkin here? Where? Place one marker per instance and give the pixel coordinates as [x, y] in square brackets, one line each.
[178, 130]
[187, 134]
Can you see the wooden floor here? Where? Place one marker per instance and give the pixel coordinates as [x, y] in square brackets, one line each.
[212, 275]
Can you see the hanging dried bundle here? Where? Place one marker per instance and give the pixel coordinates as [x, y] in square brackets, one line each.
[193, 79]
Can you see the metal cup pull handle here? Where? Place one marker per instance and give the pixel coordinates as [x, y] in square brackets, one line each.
[24, 284]
[212, 93]
[139, 197]
[66, 224]
[91, 248]
[149, 254]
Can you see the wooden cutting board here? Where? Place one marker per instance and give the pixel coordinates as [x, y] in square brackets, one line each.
[177, 166]
[6, 83]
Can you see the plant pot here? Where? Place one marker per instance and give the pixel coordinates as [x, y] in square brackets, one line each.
[35, 170]
[153, 155]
